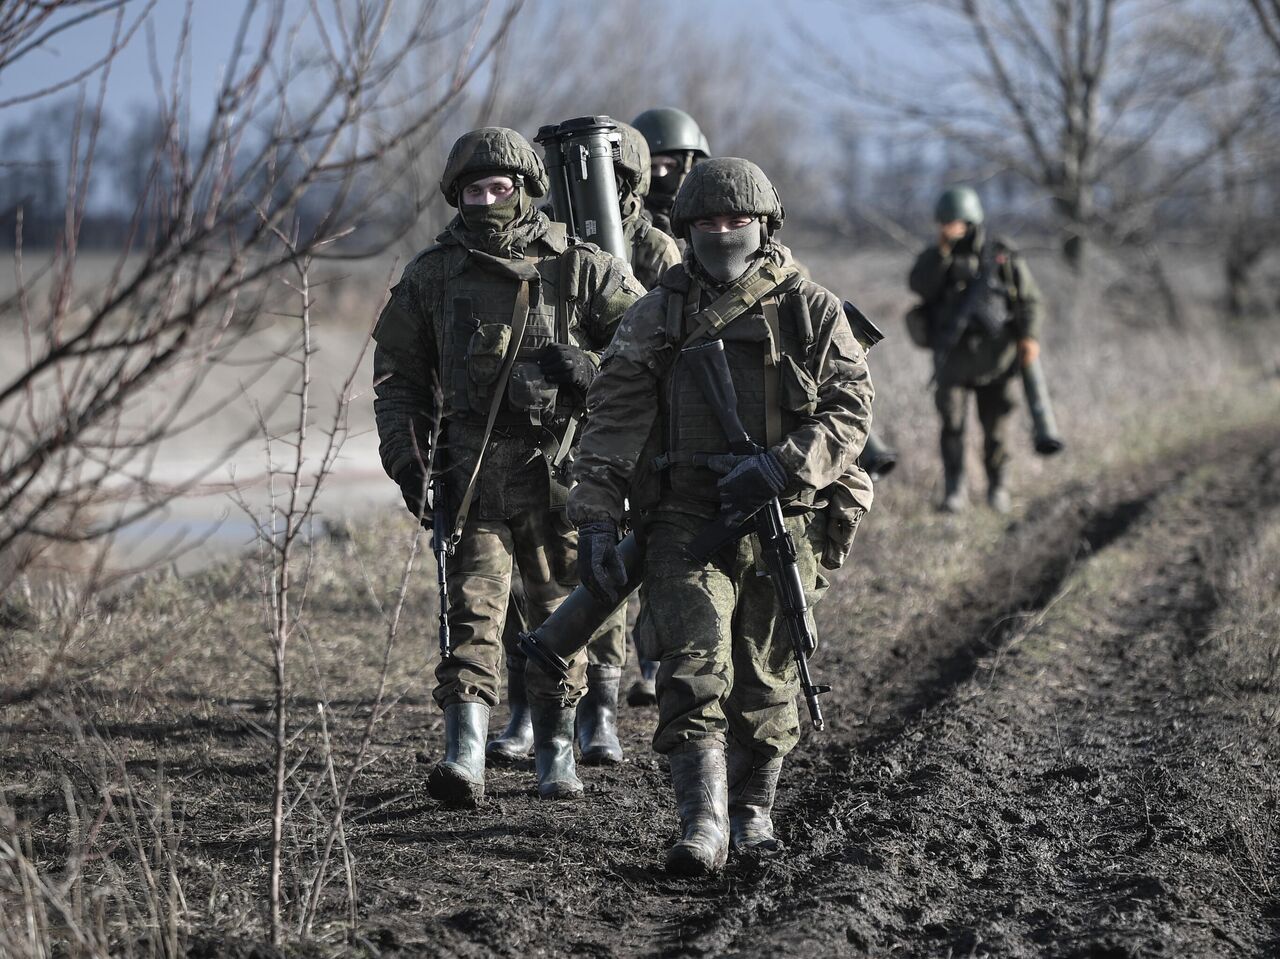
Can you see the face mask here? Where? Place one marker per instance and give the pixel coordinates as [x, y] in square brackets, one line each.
[726, 256]
[492, 217]
[665, 187]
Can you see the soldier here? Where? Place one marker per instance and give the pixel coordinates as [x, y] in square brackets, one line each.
[969, 355]
[507, 316]
[724, 685]
[652, 252]
[675, 144]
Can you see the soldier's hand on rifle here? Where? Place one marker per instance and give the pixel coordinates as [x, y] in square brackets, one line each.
[567, 365]
[1028, 351]
[748, 481]
[599, 564]
[413, 487]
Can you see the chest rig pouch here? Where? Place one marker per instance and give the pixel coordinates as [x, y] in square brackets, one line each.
[478, 306]
[766, 348]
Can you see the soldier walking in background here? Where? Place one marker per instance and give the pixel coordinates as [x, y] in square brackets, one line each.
[981, 314]
[676, 143]
[496, 329]
[726, 687]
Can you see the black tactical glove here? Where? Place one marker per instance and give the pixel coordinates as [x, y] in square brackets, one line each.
[599, 565]
[567, 365]
[748, 481]
[412, 483]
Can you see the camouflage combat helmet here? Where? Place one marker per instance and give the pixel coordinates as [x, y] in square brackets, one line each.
[493, 150]
[669, 130]
[632, 166]
[959, 203]
[725, 185]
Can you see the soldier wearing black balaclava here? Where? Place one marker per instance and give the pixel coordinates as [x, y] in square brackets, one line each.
[676, 143]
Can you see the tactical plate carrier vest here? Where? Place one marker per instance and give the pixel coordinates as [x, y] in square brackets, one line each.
[766, 347]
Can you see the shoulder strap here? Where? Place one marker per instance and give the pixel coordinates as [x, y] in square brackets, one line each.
[519, 320]
[741, 296]
[772, 374]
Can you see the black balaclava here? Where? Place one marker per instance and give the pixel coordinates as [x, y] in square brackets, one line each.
[663, 189]
[726, 256]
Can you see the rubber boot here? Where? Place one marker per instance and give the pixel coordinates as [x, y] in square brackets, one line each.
[954, 498]
[459, 779]
[997, 492]
[643, 691]
[553, 752]
[751, 791]
[699, 779]
[517, 739]
[598, 717]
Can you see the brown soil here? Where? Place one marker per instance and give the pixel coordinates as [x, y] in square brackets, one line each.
[1041, 755]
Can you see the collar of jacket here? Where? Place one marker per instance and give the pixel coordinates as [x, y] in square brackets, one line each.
[509, 244]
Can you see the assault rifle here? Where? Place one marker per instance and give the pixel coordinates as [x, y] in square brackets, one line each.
[974, 309]
[778, 548]
[567, 631]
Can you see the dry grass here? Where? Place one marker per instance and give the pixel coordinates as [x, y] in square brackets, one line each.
[156, 655]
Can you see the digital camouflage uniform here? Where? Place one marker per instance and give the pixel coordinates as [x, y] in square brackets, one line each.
[984, 365]
[450, 318]
[804, 387]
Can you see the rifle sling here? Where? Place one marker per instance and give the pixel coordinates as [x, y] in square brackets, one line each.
[519, 320]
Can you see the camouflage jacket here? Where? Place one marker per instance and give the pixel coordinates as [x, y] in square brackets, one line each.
[940, 281]
[411, 337]
[652, 251]
[630, 403]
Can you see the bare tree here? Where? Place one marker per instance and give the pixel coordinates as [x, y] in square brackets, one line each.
[1069, 94]
[316, 111]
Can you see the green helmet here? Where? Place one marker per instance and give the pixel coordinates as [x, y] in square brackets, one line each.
[632, 165]
[725, 185]
[669, 130]
[959, 203]
[493, 150]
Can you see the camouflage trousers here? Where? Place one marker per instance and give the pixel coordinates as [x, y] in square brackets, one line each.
[995, 404]
[722, 673]
[545, 550]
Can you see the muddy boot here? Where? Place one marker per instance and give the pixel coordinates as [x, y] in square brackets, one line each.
[553, 752]
[643, 692]
[699, 779]
[459, 779]
[751, 792]
[598, 717]
[517, 739]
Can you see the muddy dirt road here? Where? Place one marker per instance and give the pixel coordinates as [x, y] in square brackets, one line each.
[1039, 745]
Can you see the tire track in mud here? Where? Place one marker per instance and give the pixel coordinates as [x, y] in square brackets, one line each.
[886, 857]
